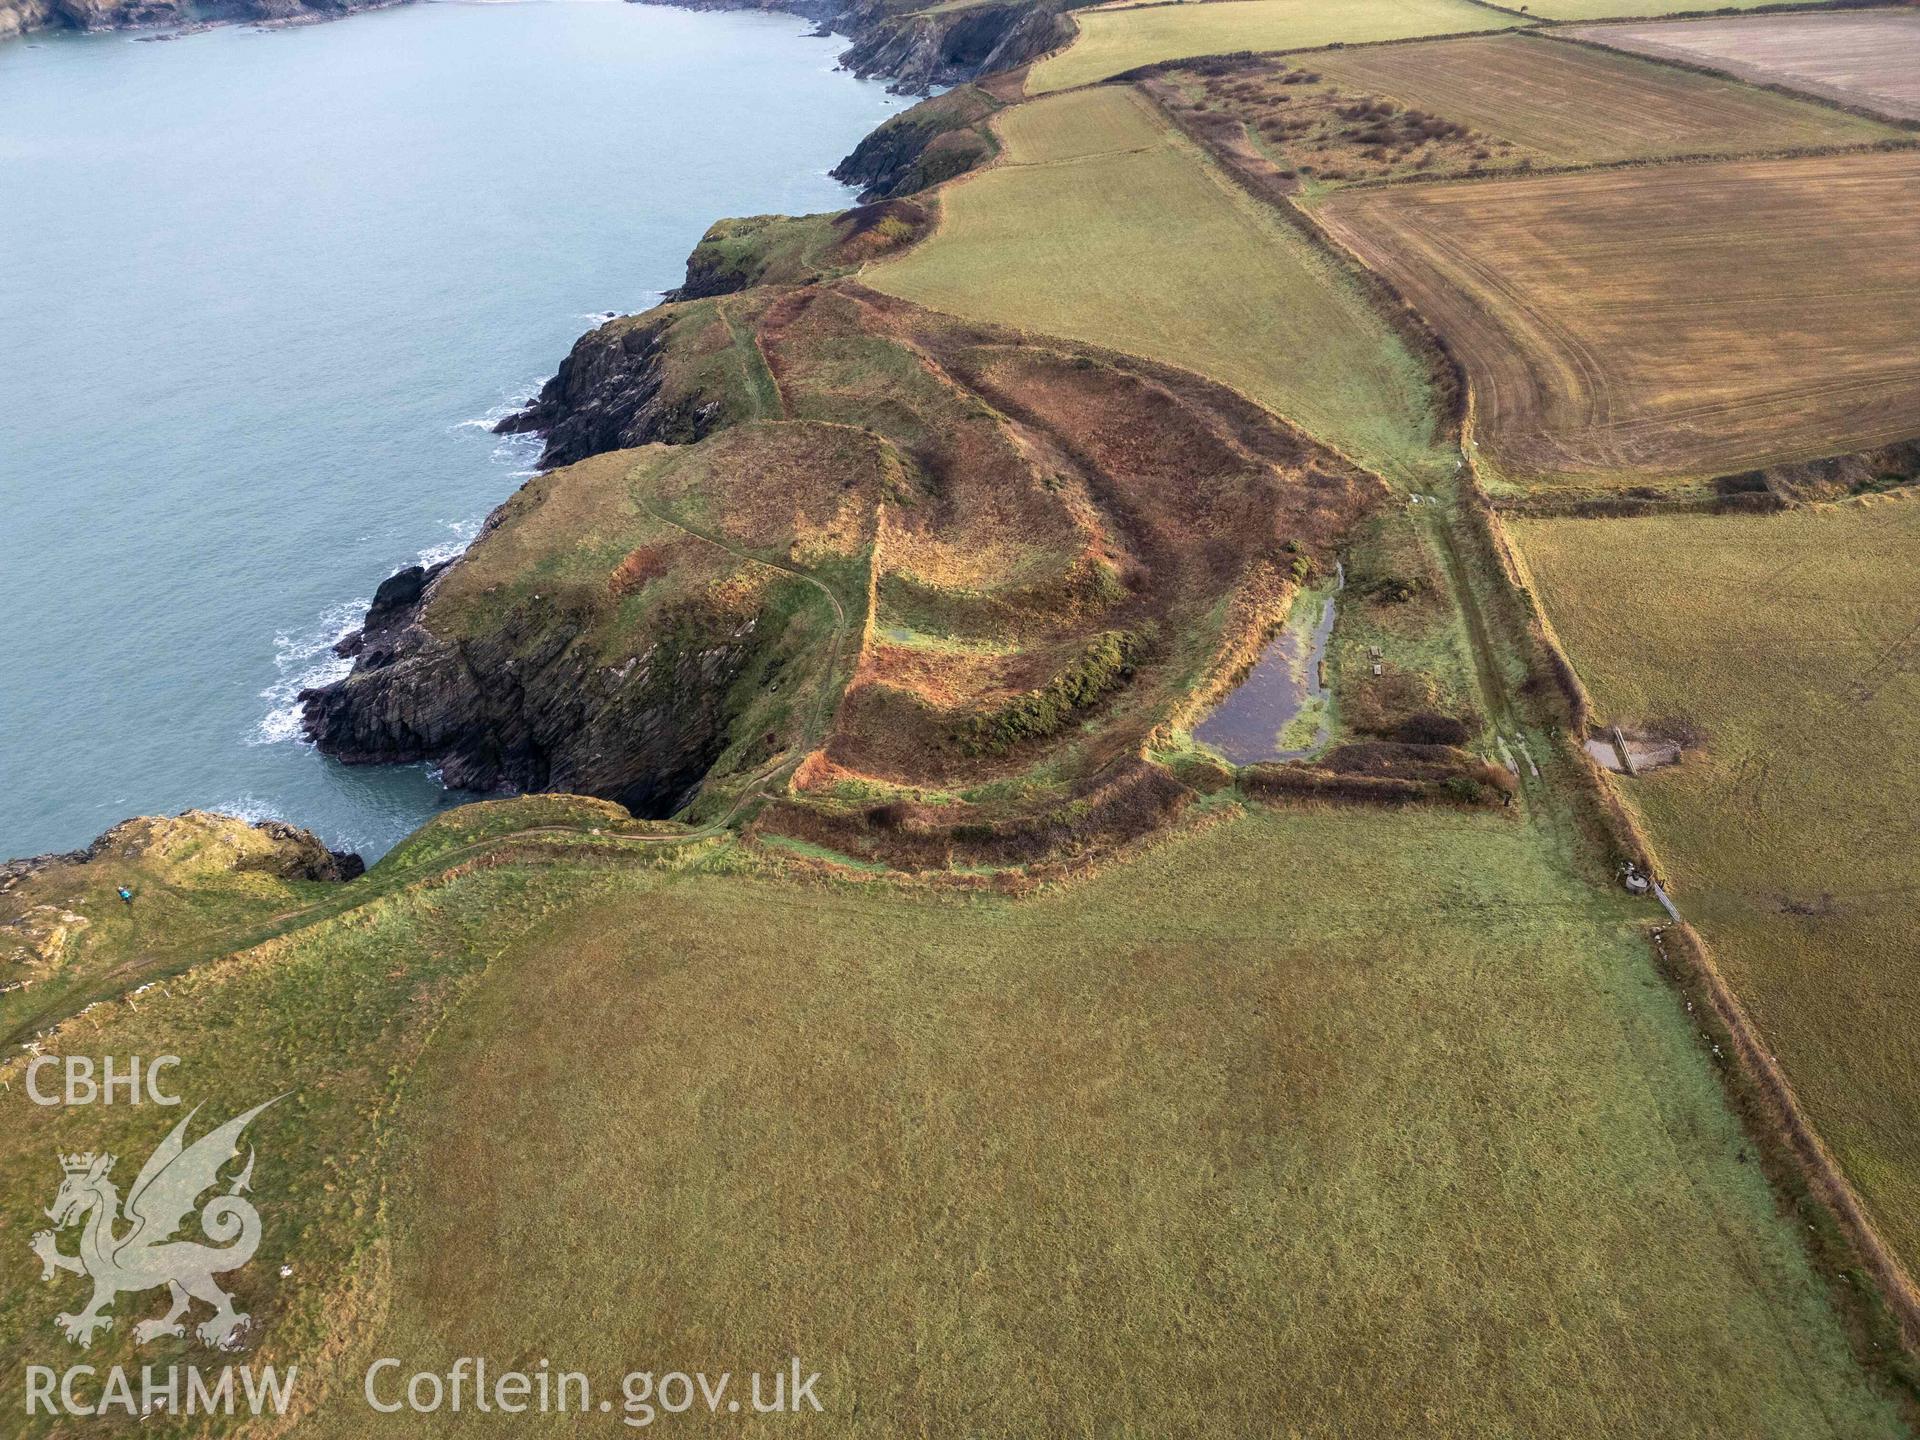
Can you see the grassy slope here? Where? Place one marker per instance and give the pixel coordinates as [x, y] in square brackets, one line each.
[1215, 1134]
[1577, 105]
[1113, 41]
[1074, 234]
[1191, 1143]
[1220, 1134]
[195, 879]
[332, 1019]
[1789, 639]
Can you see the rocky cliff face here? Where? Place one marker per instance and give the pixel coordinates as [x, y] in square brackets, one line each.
[198, 842]
[916, 51]
[615, 391]
[923, 49]
[946, 47]
[919, 148]
[533, 703]
[20, 16]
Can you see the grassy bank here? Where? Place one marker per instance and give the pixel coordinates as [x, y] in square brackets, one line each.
[1102, 224]
[1783, 646]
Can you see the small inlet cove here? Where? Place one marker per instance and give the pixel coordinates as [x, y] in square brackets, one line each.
[1283, 709]
[267, 292]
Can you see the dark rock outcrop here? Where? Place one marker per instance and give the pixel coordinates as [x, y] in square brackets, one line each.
[920, 50]
[530, 705]
[934, 141]
[20, 16]
[203, 839]
[393, 605]
[610, 393]
[301, 855]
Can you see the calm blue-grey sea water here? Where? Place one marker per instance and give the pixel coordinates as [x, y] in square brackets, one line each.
[259, 292]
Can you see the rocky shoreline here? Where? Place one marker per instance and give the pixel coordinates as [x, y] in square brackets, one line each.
[526, 708]
[921, 50]
[529, 706]
[609, 394]
[170, 18]
[916, 51]
[270, 846]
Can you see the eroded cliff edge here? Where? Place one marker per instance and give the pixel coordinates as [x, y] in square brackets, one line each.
[925, 45]
[942, 574]
[18, 17]
[520, 691]
[917, 48]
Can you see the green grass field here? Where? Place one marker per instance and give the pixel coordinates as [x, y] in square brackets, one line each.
[1300, 1121]
[1790, 641]
[1111, 42]
[1102, 224]
[1218, 1134]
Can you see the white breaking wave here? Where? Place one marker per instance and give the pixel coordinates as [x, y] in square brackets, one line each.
[601, 317]
[463, 532]
[305, 660]
[250, 808]
[510, 404]
[522, 452]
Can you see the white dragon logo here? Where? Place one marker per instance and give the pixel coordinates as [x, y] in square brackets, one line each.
[147, 1255]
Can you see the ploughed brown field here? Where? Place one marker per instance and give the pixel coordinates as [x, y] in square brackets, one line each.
[1870, 59]
[1570, 104]
[1669, 322]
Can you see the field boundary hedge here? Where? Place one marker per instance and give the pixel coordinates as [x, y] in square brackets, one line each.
[1766, 1100]
[1883, 1316]
[1445, 373]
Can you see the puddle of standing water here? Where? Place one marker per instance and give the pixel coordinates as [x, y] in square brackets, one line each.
[1281, 711]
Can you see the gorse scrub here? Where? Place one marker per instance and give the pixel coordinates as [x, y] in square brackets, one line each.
[1103, 667]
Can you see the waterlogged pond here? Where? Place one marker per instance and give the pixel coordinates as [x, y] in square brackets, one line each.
[1282, 710]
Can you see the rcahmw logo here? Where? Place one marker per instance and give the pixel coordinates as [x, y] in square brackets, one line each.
[134, 1249]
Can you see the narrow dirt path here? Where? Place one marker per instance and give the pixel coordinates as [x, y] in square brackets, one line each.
[757, 370]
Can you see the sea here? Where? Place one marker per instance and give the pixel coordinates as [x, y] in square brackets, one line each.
[263, 293]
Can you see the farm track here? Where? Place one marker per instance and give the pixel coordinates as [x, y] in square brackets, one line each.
[1748, 835]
